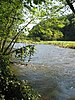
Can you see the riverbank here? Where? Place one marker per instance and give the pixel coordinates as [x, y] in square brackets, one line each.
[64, 44]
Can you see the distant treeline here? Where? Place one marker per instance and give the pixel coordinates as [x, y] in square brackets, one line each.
[62, 28]
[69, 29]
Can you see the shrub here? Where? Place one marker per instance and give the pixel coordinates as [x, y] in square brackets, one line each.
[10, 87]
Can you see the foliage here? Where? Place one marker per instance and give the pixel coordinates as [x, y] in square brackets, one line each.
[69, 29]
[10, 87]
[48, 29]
[11, 17]
[11, 13]
[62, 28]
[24, 52]
[69, 3]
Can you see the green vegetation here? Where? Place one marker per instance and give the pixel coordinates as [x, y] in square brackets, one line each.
[69, 29]
[62, 28]
[65, 44]
[10, 87]
[11, 17]
[48, 30]
[13, 14]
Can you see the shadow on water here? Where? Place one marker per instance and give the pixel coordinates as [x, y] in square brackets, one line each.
[51, 72]
[43, 82]
[51, 84]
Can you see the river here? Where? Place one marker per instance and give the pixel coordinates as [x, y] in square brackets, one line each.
[51, 72]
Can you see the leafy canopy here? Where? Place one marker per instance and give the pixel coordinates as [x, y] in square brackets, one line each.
[12, 16]
[48, 29]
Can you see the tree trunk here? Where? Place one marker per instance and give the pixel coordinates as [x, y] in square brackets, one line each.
[70, 3]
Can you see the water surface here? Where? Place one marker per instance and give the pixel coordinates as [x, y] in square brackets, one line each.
[51, 72]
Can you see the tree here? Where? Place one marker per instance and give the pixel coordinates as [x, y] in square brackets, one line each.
[12, 14]
[48, 29]
[69, 29]
[11, 17]
[70, 3]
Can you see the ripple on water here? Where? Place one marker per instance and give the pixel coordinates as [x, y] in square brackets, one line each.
[52, 72]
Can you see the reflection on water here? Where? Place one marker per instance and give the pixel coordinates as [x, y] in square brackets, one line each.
[51, 72]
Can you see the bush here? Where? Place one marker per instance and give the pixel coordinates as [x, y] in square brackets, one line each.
[10, 87]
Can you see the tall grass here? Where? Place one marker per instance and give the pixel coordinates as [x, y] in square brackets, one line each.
[65, 44]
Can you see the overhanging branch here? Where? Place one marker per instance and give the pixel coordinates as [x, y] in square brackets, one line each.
[16, 36]
[70, 5]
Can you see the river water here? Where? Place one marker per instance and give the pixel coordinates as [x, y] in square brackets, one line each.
[51, 72]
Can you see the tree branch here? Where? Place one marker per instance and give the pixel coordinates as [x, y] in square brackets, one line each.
[16, 37]
[70, 5]
[4, 42]
[12, 46]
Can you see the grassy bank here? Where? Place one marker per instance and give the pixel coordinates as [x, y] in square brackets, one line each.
[65, 44]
